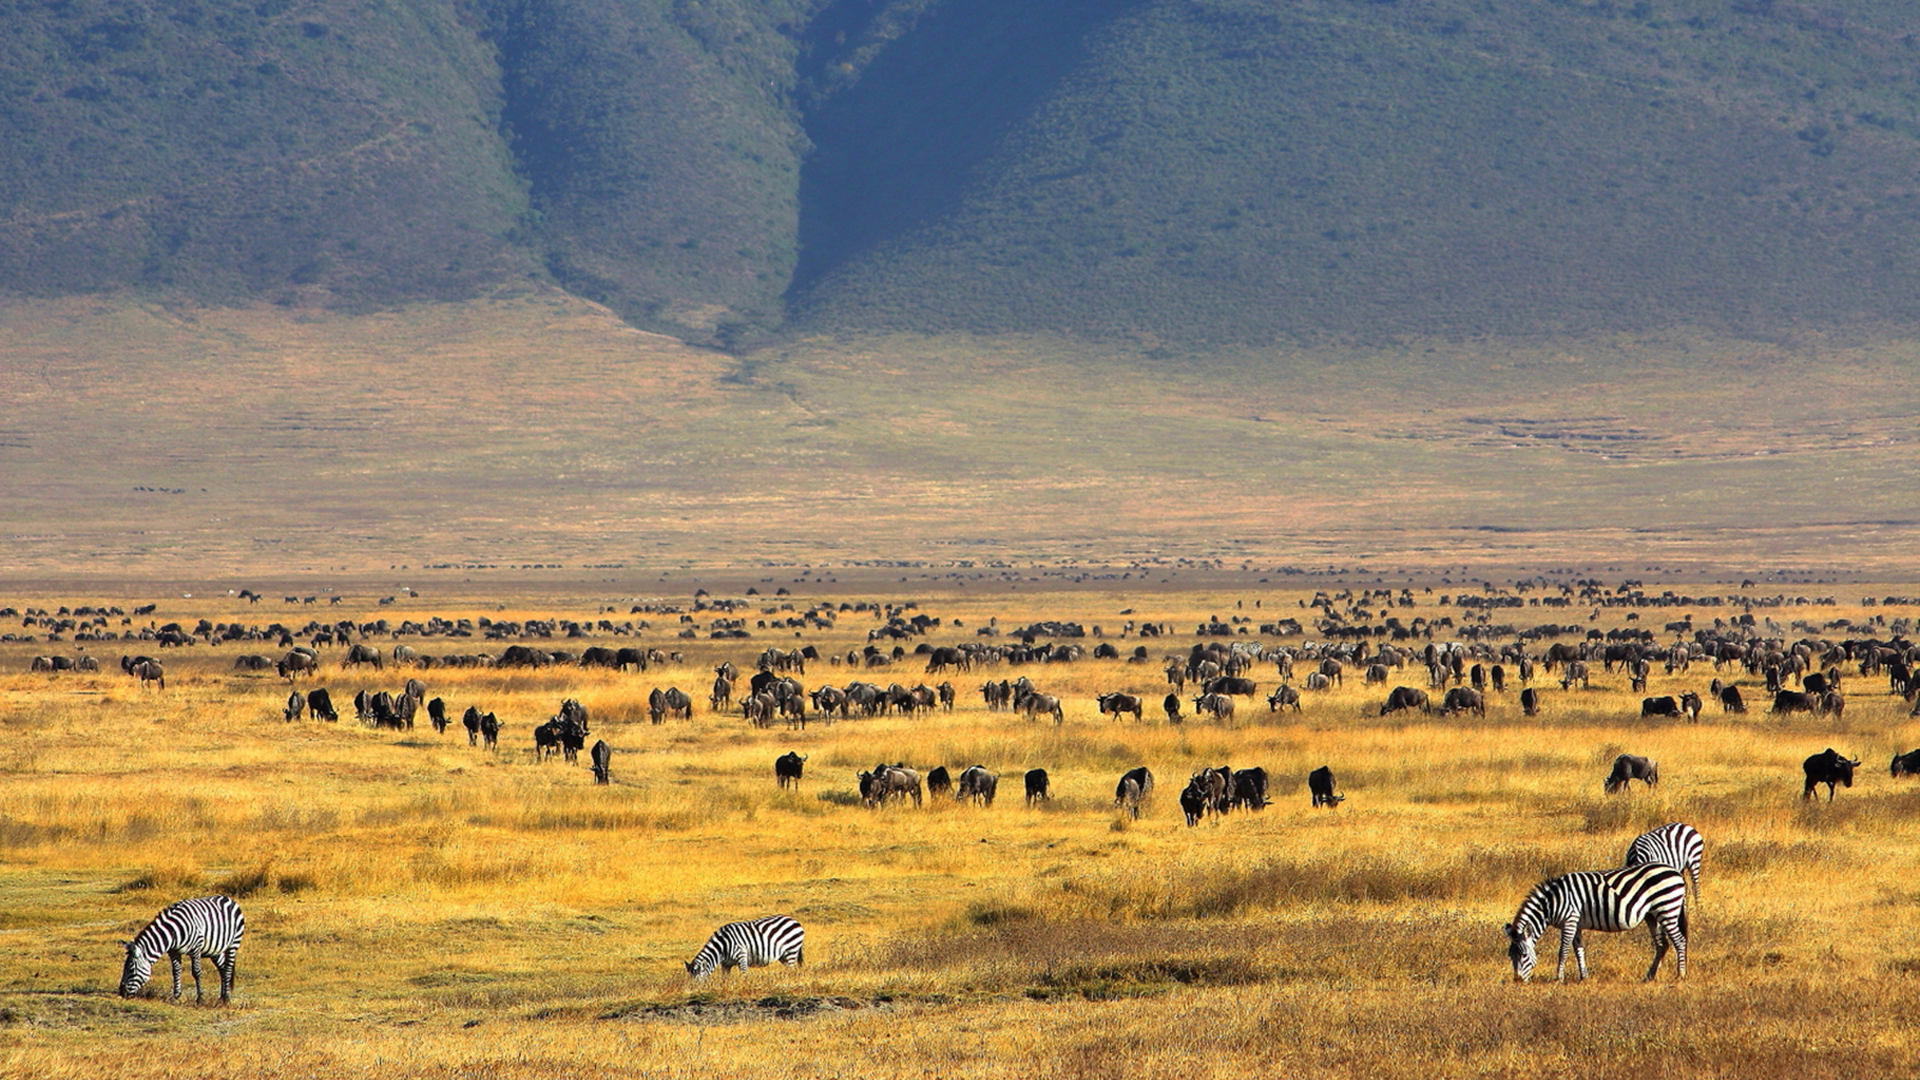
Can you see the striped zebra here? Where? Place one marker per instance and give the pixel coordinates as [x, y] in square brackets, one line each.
[209, 926]
[1674, 844]
[745, 944]
[1606, 900]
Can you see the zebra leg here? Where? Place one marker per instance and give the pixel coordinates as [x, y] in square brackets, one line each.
[175, 957]
[193, 961]
[232, 961]
[1568, 935]
[1580, 954]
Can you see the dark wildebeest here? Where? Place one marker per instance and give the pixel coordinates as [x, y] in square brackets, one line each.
[1171, 705]
[1037, 788]
[1194, 800]
[1530, 701]
[1829, 768]
[1499, 679]
[939, 781]
[1119, 703]
[1134, 788]
[1249, 791]
[1730, 700]
[1320, 783]
[320, 705]
[978, 784]
[1816, 684]
[471, 721]
[602, 762]
[490, 731]
[1231, 685]
[1282, 697]
[546, 740]
[437, 715]
[1333, 670]
[296, 706]
[1464, 699]
[722, 696]
[946, 693]
[1377, 673]
[1628, 768]
[1219, 705]
[1406, 697]
[1665, 705]
[787, 769]
[1792, 701]
[1035, 704]
[1317, 681]
[1831, 703]
[364, 654]
[1575, 672]
[144, 668]
[1907, 764]
[1690, 705]
[296, 663]
[657, 705]
[677, 703]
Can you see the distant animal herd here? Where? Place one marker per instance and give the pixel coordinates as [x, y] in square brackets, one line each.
[1649, 889]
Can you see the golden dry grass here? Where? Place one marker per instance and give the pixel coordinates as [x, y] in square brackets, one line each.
[418, 907]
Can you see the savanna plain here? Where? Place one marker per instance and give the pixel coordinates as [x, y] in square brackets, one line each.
[418, 906]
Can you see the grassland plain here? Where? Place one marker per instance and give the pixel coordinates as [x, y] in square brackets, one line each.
[419, 907]
[537, 429]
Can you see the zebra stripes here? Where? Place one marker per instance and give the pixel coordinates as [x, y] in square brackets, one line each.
[209, 926]
[1674, 844]
[746, 944]
[1605, 900]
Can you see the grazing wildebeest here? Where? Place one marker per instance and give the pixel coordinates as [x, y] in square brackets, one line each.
[320, 705]
[1194, 800]
[1628, 768]
[1831, 704]
[490, 731]
[1786, 702]
[1171, 705]
[144, 668]
[1134, 788]
[1665, 705]
[296, 706]
[888, 782]
[1219, 705]
[1907, 764]
[678, 705]
[1249, 789]
[978, 784]
[722, 696]
[1829, 768]
[787, 769]
[1231, 685]
[939, 781]
[437, 715]
[1377, 673]
[471, 721]
[1730, 700]
[1334, 670]
[1119, 703]
[657, 705]
[1317, 681]
[1320, 783]
[1530, 701]
[602, 762]
[1574, 672]
[1406, 697]
[1283, 696]
[1037, 788]
[1464, 699]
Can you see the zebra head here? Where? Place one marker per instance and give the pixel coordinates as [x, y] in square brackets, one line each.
[139, 967]
[700, 967]
[1520, 950]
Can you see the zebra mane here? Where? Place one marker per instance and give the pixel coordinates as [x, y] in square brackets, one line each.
[1531, 920]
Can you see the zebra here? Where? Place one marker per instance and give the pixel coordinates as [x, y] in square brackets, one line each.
[1606, 900]
[209, 926]
[744, 944]
[1674, 844]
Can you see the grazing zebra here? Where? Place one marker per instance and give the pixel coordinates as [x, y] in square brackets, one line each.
[744, 944]
[1606, 900]
[1674, 844]
[209, 926]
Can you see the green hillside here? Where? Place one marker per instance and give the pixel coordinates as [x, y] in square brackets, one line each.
[1200, 170]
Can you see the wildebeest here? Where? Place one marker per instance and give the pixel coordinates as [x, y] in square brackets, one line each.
[1134, 788]
[1730, 700]
[978, 784]
[1231, 685]
[1119, 703]
[1829, 768]
[437, 715]
[1320, 783]
[787, 769]
[1249, 789]
[939, 781]
[296, 706]
[1194, 800]
[1317, 681]
[1377, 674]
[1530, 701]
[1574, 672]
[1665, 705]
[1037, 786]
[1220, 706]
[144, 668]
[363, 654]
[1034, 704]
[602, 756]
[490, 731]
[1464, 699]
[471, 721]
[889, 782]
[295, 663]
[1907, 764]
[1406, 697]
[1334, 670]
[320, 705]
[1690, 705]
[1283, 696]
[1831, 703]
[678, 705]
[1171, 706]
[1628, 768]
[1787, 702]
